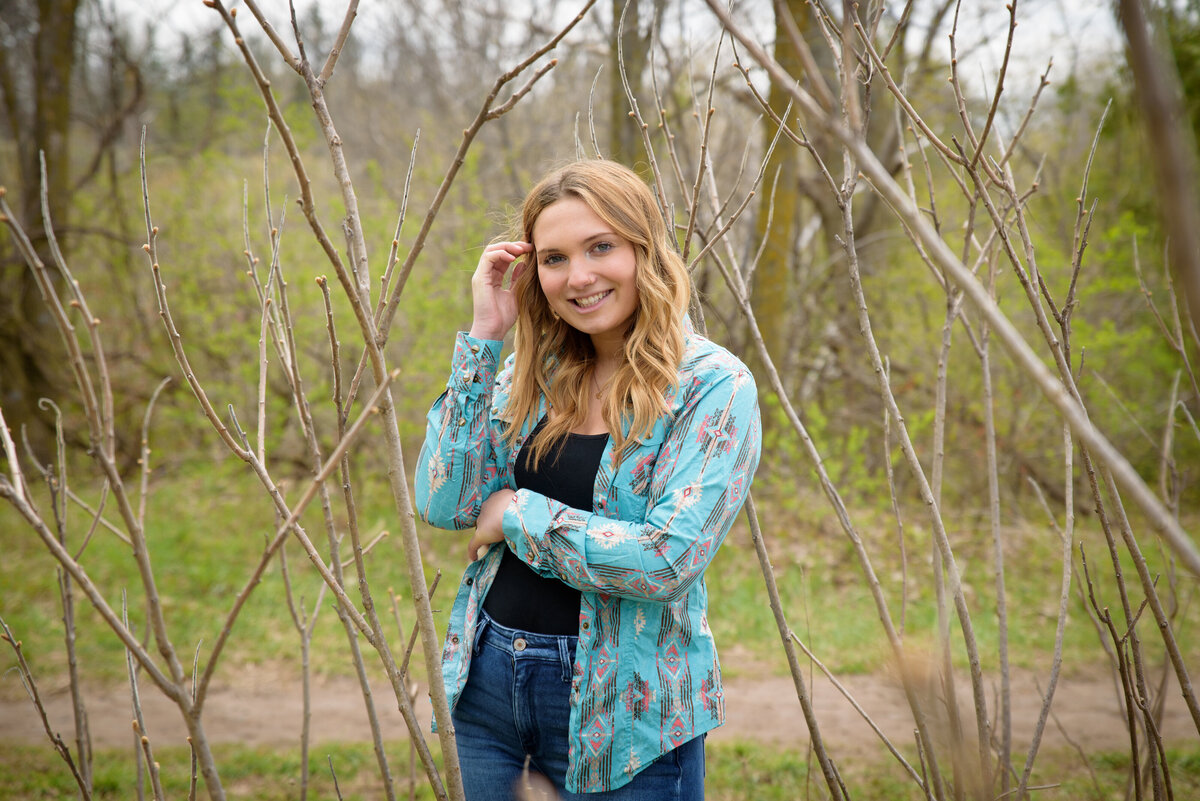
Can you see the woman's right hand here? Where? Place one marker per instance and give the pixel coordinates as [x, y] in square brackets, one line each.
[494, 305]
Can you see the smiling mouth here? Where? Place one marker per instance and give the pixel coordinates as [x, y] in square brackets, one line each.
[591, 300]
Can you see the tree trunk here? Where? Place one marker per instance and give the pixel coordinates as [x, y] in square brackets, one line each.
[779, 217]
[37, 100]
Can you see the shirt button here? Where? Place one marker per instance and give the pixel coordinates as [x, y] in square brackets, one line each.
[454, 640]
[470, 581]
[462, 421]
[519, 644]
[474, 349]
[585, 625]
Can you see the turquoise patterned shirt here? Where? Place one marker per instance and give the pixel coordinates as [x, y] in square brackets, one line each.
[646, 676]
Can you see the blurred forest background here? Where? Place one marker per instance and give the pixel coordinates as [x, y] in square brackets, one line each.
[81, 79]
[79, 90]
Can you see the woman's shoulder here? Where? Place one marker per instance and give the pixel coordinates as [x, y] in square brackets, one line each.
[705, 359]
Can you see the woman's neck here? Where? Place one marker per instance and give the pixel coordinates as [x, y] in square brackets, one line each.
[610, 352]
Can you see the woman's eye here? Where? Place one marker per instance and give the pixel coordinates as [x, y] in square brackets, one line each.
[551, 259]
[603, 247]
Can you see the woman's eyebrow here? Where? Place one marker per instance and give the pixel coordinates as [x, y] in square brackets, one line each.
[589, 238]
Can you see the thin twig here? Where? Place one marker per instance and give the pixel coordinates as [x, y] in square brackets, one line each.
[31, 690]
[139, 721]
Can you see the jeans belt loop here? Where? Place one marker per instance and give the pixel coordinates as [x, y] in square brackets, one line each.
[566, 658]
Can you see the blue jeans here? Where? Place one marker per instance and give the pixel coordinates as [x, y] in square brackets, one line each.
[517, 703]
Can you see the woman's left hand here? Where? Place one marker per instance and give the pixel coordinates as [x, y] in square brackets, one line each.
[489, 526]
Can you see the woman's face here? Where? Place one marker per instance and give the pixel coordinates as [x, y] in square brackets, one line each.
[586, 270]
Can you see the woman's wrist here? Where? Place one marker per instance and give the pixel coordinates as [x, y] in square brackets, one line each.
[484, 332]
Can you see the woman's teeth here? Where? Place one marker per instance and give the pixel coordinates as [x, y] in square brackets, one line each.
[592, 300]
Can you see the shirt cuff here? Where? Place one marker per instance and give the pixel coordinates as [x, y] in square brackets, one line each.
[525, 545]
[473, 367]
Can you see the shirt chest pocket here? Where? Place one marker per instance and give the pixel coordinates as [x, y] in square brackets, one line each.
[630, 505]
[633, 480]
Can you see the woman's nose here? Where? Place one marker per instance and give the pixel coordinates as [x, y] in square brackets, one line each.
[580, 276]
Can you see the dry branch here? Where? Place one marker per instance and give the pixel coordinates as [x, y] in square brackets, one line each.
[1068, 406]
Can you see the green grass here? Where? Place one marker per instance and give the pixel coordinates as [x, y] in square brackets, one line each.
[206, 531]
[735, 771]
[207, 526]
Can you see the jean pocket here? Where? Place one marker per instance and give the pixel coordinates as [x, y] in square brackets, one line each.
[480, 627]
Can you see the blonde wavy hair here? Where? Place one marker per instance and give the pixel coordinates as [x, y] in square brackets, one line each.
[554, 359]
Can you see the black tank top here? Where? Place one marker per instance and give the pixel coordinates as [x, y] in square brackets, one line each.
[519, 597]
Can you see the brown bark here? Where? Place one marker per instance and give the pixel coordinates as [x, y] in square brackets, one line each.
[779, 217]
[37, 75]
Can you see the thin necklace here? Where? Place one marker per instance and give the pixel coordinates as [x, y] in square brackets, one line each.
[596, 385]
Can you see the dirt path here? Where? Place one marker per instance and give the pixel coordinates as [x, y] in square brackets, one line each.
[261, 708]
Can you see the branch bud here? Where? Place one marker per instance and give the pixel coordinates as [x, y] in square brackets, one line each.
[146, 741]
[3, 191]
[553, 62]
[210, 3]
[238, 41]
[95, 321]
[154, 230]
[135, 725]
[233, 12]
[321, 280]
[146, 247]
[74, 304]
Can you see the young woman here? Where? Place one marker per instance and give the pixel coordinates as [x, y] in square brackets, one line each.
[601, 470]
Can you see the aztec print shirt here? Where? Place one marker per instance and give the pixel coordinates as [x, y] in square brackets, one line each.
[646, 676]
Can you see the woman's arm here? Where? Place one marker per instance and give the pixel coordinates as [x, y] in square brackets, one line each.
[458, 466]
[700, 481]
